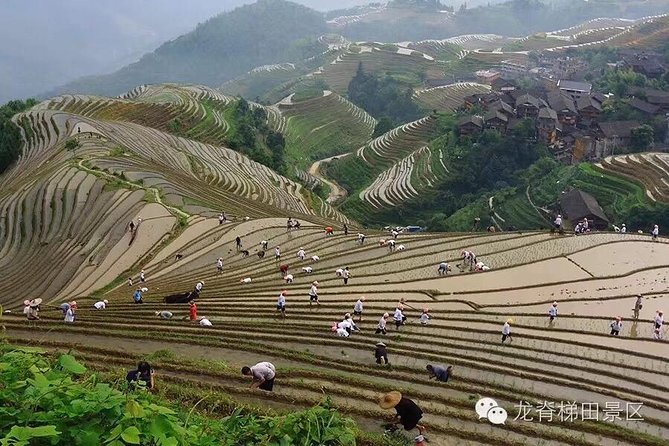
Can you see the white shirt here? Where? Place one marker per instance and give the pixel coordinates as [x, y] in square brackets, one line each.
[205, 322]
[219, 263]
[247, 280]
[659, 320]
[443, 265]
[398, 316]
[506, 330]
[141, 276]
[358, 306]
[345, 274]
[282, 300]
[199, 286]
[315, 258]
[623, 229]
[466, 255]
[346, 323]
[100, 305]
[69, 315]
[288, 277]
[553, 311]
[277, 252]
[313, 291]
[307, 269]
[263, 370]
[342, 332]
[339, 271]
[391, 242]
[617, 325]
[480, 265]
[382, 323]
[656, 231]
[558, 221]
[301, 254]
[361, 236]
[395, 233]
[424, 318]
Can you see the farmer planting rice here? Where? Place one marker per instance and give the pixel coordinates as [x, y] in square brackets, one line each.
[361, 238]
[425, 316]
[32, 309]
[655, 232]
[246, 280]
[381, 354]
[552, 312]
[399, 316]
[262, 374]
[301, 254]
[192, 311]
[281, 303]
[238, 243]
[391, 245]
[329, 231]
[283, 269]
[313, 293]
[616, 326]
[101, 305]
[307, 269]
[408, 412]
[219, 265]
[263, 245]
[443, 269]
[381, 328]
[348, 324]
[358, 307]
[439, 372]
[506, 331]
[659, 318]
[638, 305]
[288, 278]
[345, 275]
[137, 296]
[277, 254]
[164, 314]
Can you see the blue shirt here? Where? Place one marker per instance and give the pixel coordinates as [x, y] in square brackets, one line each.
[137, 296]
[440, 372]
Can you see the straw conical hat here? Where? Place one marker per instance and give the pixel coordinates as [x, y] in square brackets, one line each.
[390, 399]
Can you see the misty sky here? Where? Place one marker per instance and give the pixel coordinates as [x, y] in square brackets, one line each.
[46, 43]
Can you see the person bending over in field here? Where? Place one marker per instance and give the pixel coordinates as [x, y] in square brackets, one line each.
[408, 412]
[381, 328]
[143, 375]
[439, 372]
[381, 354]
[262, 374]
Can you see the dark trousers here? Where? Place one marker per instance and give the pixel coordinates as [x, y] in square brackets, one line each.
[267, 385]
[380, 331]
[345, 280]
[385, 359]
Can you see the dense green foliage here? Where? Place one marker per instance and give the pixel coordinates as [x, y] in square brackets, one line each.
[251, 136]
[10, 135]
[222, 48]
[383, 97]
[623, 82]
[46, 401]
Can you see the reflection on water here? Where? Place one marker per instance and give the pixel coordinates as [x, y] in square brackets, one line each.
[634, 330]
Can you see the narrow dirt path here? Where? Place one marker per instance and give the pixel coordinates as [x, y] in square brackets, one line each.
[130, 185]
[337, 193]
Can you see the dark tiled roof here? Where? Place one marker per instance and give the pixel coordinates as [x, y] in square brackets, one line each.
[577, 204]
[644, 106]
[573, 85]
[501, 106]
[527, 99]
[476, 120]
[621, 129]
[561, 101]
[547, 113]
[588, 101]
[496, 114]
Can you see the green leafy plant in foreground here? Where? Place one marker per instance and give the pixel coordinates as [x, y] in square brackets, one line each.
[47, 401]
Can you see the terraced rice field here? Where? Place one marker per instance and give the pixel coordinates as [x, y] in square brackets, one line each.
[406, 165]
[448, 97]
[324, 126]
[593, 277]
[649, 169]
[414, 68]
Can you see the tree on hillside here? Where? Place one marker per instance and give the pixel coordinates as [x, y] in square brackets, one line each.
[642, 138]
[10, 135]
[383, 97]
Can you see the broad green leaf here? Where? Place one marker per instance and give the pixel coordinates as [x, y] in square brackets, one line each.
[131, 435]
[26, 433]
[67, 362]
[134, 409]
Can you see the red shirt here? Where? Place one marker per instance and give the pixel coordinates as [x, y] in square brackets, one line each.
[193, 312]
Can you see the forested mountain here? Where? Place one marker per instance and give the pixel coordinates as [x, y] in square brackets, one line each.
[277, 31]
[266, 32]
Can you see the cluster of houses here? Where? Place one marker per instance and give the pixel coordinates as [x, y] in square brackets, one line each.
[566, 116]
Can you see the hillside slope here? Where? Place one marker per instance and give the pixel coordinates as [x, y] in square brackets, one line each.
[226, 46]
[90, 165]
